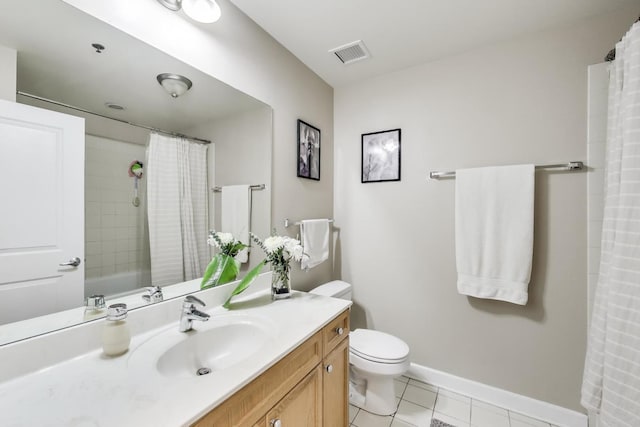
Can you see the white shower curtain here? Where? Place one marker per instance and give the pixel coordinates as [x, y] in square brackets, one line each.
[611, 382]
[177, 209]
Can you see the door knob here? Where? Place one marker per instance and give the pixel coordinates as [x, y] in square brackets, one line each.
[276, 423]
[73, 262]
[329, 368]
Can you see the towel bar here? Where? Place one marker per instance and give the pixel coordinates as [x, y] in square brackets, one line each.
[287, 222]
[571, 166]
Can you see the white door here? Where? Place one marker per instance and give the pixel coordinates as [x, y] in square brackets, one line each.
[41, 211]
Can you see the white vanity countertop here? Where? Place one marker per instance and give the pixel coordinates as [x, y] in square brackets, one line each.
[97, 391]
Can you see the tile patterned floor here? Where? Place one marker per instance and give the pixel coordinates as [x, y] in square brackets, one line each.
[419, 402]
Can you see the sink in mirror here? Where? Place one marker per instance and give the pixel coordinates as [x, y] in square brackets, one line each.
[64, 67]
[221, 343]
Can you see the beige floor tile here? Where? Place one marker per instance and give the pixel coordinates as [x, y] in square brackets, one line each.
[519, 420]
[399, 423]
[423, 385]
[488, 406]
[458, 409]
[420, 396]
[454, 395]
[398, 387]
[483, 417]
[353, 411]
[450, 420]
[413, 414]
[367, 419]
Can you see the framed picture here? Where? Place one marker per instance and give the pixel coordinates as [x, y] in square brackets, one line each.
[308, 151]
[381, 156]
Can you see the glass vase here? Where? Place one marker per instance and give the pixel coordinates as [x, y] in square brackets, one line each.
[281, 283]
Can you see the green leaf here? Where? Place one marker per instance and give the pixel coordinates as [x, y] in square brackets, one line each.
[245, 282]
[222, 269]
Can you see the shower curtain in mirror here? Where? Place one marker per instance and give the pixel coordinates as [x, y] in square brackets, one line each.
[611, 382]
[177, 209]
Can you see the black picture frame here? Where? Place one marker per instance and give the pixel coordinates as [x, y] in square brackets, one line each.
[308, 160]
[381, 156]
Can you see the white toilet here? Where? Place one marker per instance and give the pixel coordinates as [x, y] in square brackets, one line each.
[375, 358]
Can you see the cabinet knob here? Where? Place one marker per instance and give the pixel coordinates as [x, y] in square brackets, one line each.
[339, 331]
[276, 423]
[329, 368]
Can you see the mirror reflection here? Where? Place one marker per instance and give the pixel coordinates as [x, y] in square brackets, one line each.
[147, 176]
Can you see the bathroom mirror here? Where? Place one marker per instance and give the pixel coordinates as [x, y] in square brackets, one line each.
[71, 58]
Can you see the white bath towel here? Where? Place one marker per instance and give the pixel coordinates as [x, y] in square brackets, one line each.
[314, 234]
[494, 231]
[235, 217]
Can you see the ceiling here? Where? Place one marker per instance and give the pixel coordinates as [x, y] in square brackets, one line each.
[56, 61]
[404, 33]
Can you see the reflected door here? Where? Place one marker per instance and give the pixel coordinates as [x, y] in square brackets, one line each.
[41, 211]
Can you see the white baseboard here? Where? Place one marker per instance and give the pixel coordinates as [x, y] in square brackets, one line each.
[553, 414]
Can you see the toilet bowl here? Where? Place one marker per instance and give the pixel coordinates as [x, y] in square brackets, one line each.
[375, 359]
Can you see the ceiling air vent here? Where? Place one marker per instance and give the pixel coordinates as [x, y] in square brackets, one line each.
[351, 52]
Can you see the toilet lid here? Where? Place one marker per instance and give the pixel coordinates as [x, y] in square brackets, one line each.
[377, 346]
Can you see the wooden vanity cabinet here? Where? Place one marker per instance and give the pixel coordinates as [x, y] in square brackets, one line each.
[307, 388]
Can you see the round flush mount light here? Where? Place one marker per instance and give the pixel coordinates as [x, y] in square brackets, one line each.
[174, 84]
[205, 11]
[171, 4]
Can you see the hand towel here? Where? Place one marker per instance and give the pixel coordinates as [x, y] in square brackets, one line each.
[314, 234]
[494, 231]
[235, 216]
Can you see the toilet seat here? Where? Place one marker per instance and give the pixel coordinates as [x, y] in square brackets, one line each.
[376, 346]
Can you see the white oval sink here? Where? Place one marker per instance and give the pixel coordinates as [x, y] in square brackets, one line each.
[218, 344]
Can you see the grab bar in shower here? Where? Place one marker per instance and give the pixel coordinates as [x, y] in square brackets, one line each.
[570, 166]
[252, 187]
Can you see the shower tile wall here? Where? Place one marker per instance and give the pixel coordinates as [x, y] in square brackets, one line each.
[115, 233]
[596, 138]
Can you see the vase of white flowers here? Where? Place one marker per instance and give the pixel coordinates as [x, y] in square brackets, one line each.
[223, 268]
[280, 251]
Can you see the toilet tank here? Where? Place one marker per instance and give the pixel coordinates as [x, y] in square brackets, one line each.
[335, 289]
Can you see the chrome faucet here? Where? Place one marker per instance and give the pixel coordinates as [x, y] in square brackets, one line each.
[153, 295]
[191, 313]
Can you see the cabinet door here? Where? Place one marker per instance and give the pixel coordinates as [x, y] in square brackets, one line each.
[336, 387]
[302, 407]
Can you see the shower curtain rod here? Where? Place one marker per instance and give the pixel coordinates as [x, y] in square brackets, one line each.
[570, 166]
[61, 104]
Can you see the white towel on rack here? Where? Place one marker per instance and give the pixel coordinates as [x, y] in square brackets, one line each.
[235, 217]
[494, 231]
[314, 234]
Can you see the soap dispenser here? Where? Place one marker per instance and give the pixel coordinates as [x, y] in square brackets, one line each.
[94, 307]
[115, 335]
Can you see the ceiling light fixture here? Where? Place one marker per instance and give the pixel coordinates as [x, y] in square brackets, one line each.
[205, 11]
[174, 84]
[171, 4]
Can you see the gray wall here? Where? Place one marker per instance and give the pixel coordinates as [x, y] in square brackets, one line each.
[8, 73]
[241, 154]
[522, 101]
